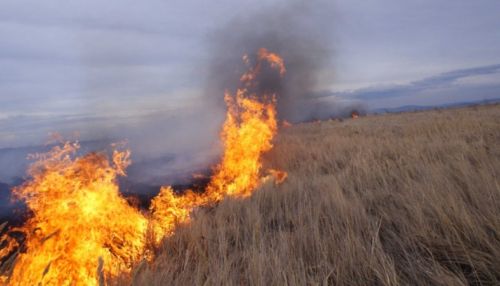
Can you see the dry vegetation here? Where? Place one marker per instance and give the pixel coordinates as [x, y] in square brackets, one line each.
[402, 199]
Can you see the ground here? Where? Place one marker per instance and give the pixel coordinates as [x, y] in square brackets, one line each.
[397, 199]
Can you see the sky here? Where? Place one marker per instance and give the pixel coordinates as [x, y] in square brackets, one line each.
[137, 69]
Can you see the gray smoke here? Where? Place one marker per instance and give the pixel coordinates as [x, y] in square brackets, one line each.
[301, 32]
[167, 147]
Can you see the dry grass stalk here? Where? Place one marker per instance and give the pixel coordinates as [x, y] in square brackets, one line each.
[399, 199]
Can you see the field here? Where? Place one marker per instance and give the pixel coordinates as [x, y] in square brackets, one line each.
[398, 199]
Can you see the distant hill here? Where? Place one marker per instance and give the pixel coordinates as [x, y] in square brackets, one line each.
[409, 108]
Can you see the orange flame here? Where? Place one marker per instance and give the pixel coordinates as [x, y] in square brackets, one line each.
[247, 133]
[249, 128]
[278, 175]
[79, 219]
[286, 124]
[274, 60]
[83, 232]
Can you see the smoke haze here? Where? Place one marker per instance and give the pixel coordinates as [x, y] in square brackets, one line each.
[169, 146]
[300, 32]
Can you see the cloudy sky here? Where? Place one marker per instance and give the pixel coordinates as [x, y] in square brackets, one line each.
[95, 67]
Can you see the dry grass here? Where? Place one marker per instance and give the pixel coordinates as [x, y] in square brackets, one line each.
[403, 199]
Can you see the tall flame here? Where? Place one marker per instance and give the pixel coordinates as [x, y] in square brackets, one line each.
[82, 231]
[247, 133]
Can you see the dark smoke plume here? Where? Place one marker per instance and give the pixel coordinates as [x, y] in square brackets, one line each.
[301, 32]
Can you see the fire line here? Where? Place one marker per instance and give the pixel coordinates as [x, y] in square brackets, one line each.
[81, 231]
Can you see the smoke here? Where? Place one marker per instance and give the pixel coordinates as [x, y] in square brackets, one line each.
[302, 33]
[169, 146]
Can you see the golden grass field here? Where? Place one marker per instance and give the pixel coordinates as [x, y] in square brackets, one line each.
[398, 199]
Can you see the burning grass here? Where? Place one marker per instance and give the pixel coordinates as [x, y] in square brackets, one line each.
[82, 231]
[402, 199]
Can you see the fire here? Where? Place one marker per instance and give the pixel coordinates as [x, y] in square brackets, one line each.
[79, 220]
[81, 231]
[247, 133]
[249, 128]
[286, 124]
[278, 175]
[354, 114]
[263, 55]
[169, 210]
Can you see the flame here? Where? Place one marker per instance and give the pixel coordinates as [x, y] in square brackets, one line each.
[81, 231]
[247, 133]
[169, 210]
[249, 128]
[278, 175]
[274, 60]
[79, 219]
